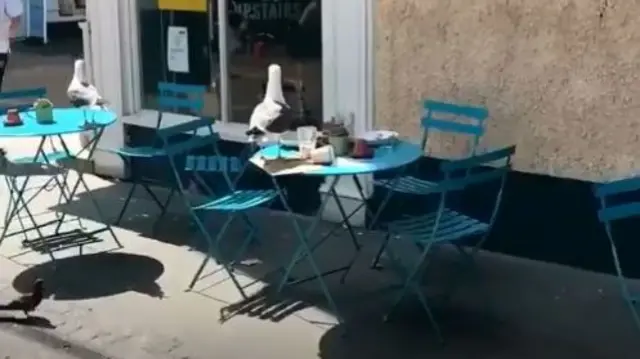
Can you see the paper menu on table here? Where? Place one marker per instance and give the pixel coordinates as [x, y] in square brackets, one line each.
[178, 49]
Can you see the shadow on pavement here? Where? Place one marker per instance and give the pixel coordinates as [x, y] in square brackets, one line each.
[265, 305]
[31, 321]
[520, 309]
[94, 276]
[141, 213]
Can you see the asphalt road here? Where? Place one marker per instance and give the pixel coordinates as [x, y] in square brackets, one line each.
[51, 66]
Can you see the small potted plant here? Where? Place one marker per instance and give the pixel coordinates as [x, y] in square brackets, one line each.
[338, 136]
[44, 111]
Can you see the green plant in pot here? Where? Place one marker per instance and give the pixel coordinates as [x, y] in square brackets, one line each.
[44, 110]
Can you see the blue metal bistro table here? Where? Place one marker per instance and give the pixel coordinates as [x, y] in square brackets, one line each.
[65, 121]
[385, 158]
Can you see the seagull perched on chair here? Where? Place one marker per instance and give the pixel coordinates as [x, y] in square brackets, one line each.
[273, 114]
[80, 92]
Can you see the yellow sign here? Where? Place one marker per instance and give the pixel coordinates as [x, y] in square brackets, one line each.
[183, 5]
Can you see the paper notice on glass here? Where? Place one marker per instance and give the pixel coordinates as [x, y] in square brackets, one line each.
[177, 49]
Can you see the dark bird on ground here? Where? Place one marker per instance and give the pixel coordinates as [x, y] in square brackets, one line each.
[27, 303]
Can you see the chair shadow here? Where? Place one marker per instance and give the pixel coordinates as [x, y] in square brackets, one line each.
[140, 215]
[30, 321]
[94, 276]
[265, 304]
[62, 241]
[273, 252]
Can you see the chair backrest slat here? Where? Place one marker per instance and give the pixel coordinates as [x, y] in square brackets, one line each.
[186, 146]
[173, 103]
[475, 170]
[622, 211]
[181, 88]
[473, 179]
[478, 160]
[476, 112]
[20, 100]
[194, 141]
[437, 116]
[618, 187]
[455, 127]
[455, 119]
[193, 125]
[180, 98]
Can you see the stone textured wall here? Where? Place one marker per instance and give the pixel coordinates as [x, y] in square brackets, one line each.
[560, 77]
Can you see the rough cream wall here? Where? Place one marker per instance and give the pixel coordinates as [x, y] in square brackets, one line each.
[560, 77]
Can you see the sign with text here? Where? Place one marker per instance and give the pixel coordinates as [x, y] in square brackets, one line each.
[269, 9]
[183, 5]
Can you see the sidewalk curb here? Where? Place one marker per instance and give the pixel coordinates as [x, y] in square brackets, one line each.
[56, 342]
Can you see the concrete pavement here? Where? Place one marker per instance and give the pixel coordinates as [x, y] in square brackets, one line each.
[131, 302]
[17, 346]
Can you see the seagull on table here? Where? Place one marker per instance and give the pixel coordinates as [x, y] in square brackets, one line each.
[80, 92]
[273, 114]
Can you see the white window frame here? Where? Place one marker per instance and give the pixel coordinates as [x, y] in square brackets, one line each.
[347, 74]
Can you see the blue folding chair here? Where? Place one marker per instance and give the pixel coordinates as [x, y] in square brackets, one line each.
[235, 203]
[612, 211]
[445, 225]
[22, 100]
[455, 119]
[187, 99]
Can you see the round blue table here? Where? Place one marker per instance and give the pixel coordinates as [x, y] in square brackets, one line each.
[385, 158]
[65, 121]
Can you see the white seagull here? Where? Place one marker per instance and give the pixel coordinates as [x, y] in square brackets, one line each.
[273, 114]
[80, 92]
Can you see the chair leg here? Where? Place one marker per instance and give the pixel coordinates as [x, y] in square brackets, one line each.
[213, 251]
[163, 211]
[633, 306]
[153, 196]
[13, 201]
[376, 260]
[246, 243]
[632, 302]
[412, 285]
[101, 216]
[253, 229]
[126, 203]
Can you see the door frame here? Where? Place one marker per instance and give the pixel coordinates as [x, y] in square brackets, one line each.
[348, 89]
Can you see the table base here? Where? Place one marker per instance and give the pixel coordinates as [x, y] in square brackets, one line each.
[22, 205]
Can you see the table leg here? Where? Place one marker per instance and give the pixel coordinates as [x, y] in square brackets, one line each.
[304, 250]
[21, 204]
[345, 221]
[383, 204]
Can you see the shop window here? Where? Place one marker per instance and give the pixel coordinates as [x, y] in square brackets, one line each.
[260, 32]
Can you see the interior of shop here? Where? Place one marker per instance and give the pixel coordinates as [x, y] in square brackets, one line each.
[259, 33]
